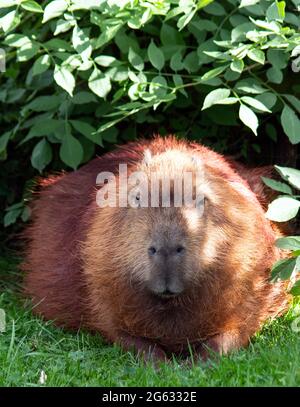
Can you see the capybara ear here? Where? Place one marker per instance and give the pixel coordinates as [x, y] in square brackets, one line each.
[253, 176]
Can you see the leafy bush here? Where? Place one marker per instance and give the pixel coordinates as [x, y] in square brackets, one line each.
[282, 209]
[82, 75]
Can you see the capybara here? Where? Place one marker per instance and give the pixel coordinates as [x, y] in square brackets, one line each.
[160, 280]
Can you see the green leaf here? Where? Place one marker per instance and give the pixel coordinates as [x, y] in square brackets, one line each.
[44, 103]
[250, 86]
[274, 75]
[203, 3]
[99, 83]
[276, 11]
[288, 243]
[108, 34]
[249, 118]
[64, 78]
[158, 86]
[7, 21]
[71, 151]
[206, 25]
[27, 51]
[26, 214]
[216, 9]
[191, 62]
[237, 65]
[41, 155]
[58, 44]
[54, 9]
[105, 60]
[238, 34]
[277, 185]
[7, 3]
[41, 128]
[83, 128]
[81, 43]
[292, 175]
[283, 269]
[63, 26]
[283, 209]
[15, 206]
[4, 141]
[295, 290]
[133, 91]
[218, 55]
[110, 135]
[277, 57]
[135, 60]
[255, 103]
[177, 79]
[256, 55]
[268, 99]
[213, 73]
[170, 36]
[16, 40]
[117, 73]
[186, 18]
[214, 97]
[295, 102]
[85, 4]
[228, 101]
[272, 26]
[156, 56]
[41, 64]
[291, 124]
[247, 3]
[11, 217]
[176, 63]
[83, 97]
[31, 5]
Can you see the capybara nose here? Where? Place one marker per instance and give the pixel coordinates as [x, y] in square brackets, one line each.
[166, 289]
[152, 250]
[166, 251]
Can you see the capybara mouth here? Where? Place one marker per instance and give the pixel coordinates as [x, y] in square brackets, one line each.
[166, 295]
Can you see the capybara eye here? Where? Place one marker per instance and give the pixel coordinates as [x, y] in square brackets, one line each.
[152, 250]
[138, 200]
[180, 249]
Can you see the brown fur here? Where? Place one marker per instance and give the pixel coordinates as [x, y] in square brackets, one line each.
[86, 265]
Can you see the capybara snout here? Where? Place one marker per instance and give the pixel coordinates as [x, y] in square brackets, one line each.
[167, 255]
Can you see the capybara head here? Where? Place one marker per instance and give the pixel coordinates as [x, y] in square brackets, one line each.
[169, 249]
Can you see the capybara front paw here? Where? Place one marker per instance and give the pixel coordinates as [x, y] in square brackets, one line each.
[147, 350]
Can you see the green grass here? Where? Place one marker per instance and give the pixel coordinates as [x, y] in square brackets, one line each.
[30, 345]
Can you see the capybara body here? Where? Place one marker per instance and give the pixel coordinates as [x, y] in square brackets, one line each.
[158, 279]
